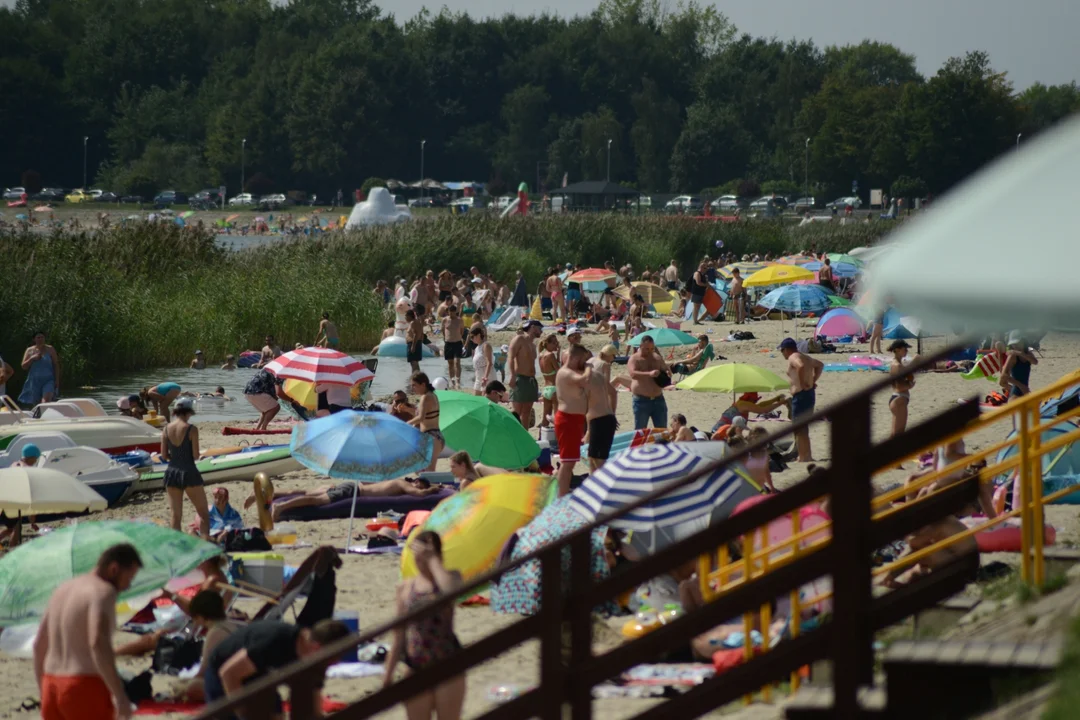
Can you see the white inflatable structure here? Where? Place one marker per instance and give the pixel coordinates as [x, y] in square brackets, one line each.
[378, 209]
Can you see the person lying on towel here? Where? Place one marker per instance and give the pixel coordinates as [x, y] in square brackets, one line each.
[328, 494]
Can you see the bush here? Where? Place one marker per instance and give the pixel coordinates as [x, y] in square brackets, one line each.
[748, 189]
[371, 182]
[908, 188]
[780, 187]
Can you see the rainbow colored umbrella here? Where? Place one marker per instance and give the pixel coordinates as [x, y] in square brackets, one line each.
[475, 523]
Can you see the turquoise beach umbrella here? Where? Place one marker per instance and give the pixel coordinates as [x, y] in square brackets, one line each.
[665, 337]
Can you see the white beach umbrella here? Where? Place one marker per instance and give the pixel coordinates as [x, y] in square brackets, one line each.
[37, 491]
[1000, 251]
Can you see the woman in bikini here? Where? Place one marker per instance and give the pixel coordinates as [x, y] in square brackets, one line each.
[463, 470]
[427, 415]
[432, 640]
[902, 384]
[549, 366]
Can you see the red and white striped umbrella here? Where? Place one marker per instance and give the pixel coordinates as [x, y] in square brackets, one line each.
[320, 365]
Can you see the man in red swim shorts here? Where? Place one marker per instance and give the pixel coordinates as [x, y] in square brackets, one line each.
[571, 383]
[74, 660]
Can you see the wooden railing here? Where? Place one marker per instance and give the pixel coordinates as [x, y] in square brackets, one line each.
[846, 639]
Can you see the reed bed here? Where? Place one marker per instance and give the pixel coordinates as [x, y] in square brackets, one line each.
[149, 295]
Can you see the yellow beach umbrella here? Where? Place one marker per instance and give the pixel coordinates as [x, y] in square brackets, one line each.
[651, 293]
[745, 268]
[734, 378]
[475, 523]
[302, 392]
[778, 275]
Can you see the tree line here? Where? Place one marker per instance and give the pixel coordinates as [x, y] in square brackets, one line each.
[320, 94]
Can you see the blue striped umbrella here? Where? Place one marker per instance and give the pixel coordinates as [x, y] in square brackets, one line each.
[797, 299]
[645, 469]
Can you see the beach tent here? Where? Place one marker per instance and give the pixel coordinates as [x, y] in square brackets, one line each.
[981, 260]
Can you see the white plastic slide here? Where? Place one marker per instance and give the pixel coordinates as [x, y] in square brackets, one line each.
[511, 208]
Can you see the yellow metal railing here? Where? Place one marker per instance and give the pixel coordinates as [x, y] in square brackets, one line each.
[717, 574]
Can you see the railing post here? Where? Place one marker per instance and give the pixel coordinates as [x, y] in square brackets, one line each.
[302, 696]
[1026, 520]
[1038, 531]
[580, 693]
[852, 651]
[552, 671]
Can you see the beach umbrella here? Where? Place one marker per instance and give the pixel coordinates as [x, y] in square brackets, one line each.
[649, 292]
[839, 322]
[43, 209]
[320, 365]
[179, 221]
[260, 219]
[796, 299]
[303, 393]
[31, 572]
[37, 491]
[487, 431]
[648, 468]
[475, 523]
[837, 301]
[799, 259]
[361, 446]
[993, 270]
[592, 275]
[745, 269]
[518, 591]
[777, 275]
[187, 213]
[845, 258]
[232, 217]
[734, 378]
[664, 337]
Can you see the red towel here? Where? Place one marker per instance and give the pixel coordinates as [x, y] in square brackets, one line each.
[152, 707]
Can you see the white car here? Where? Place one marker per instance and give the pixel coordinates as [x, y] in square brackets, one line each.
[726, 202]
[677, 202]
[503, 201]
[841, 203]
[463, 202]
[242, 199]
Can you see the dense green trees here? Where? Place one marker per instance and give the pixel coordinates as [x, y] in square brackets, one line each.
[327, 93]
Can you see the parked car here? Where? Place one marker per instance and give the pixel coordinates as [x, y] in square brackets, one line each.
[684, 203]
[766, 201]
[165, 198]
[242, 199]
[14, 193]
[803, 204]
[463, 202]
[105, 196]
[273, 201]
[50, 195]
[841, 203]
[132, 199]
[422, 202]
[77, 196]
[206, 199]
[728, 202]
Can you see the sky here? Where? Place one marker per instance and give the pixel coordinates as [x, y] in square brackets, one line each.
[1034, 40]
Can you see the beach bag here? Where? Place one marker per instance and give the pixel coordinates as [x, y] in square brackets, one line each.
[247, 540]
[996, 399]
[743, 335]
[175, 653]
[140, 687]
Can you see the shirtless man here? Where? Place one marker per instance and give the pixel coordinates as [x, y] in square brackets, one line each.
[328, 333]
[453, 334]
[803, 372]
[74, 661]
[570, 419]
[414, 339]
[521, 368]
[738, 295]
[671, 276]
[649, 403]
[270, 351]
[422, 300]
[388, 331]
[400, 407]
[328, 494]
[602, 403]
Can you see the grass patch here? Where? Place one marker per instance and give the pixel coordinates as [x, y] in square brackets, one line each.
[1066, 699]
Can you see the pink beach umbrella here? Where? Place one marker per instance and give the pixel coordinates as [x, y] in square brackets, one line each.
[840, 322]
[320, 366]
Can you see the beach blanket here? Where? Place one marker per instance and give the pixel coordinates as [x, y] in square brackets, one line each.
[154, 707]
[365, 506]
[228, 430]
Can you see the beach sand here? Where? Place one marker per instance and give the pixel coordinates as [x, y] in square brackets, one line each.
[366, 583]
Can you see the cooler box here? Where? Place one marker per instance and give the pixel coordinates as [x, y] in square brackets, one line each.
[265, 569]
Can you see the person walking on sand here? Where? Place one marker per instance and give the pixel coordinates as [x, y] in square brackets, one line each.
[180, 449]
[42, 365]
[426, 642]
[738, 294]
[74, 661]
[521, 368]
[645, 366]
[903, 381]
[602, 403]
[803, 373]
[571, 382]
[558, 301]
[671, 276]
[454, 345]
[328, 333]
[483, 358]
[414, 339]
[697, 292]
[427, 414]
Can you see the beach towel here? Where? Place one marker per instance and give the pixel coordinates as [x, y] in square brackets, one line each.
[155, 707]
[987, 366]
[229, 520]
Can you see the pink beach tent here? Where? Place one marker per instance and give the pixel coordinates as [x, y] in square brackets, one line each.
[840, 322]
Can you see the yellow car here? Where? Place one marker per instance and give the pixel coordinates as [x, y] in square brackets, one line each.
[77, 196]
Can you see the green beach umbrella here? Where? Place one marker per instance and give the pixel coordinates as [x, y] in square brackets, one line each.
[836, 301]
[734, 378]
[488, 432]
[845, 258]
[30, 572]
[664, 337]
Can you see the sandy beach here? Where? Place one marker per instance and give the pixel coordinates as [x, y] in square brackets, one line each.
[366, 583]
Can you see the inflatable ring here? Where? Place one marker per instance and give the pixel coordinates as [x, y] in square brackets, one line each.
[264, 495]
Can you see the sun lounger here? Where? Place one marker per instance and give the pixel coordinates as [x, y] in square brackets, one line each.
[987, 366]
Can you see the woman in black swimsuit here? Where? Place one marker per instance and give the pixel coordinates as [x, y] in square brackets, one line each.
[180, 448]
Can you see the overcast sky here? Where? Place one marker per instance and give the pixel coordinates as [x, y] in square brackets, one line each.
[1034, 40]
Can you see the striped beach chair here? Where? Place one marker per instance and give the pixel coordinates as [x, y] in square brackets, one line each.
[987, 366]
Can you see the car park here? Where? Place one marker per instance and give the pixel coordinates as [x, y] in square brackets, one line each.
[840, 203]
[15, 193]
[241, 200]
[166, 198]
[728, 202]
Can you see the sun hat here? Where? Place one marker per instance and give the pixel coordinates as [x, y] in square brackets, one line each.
[739, 422]
[573, 330]
[788, 344]
[1015, 338]
[124, 403]
[30, 450]
[198, 352]
[749, 396]
[184, 404]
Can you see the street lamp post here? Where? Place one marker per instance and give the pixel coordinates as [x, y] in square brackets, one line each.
[806, 171]
[422, 144]
[609, 160]
[85, 138]
[1018, 136]
[243, 162]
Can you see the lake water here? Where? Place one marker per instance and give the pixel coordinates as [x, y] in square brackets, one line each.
[391, 374]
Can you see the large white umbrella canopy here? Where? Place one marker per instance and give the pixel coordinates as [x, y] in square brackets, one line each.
[999, 252]
[36, 491]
